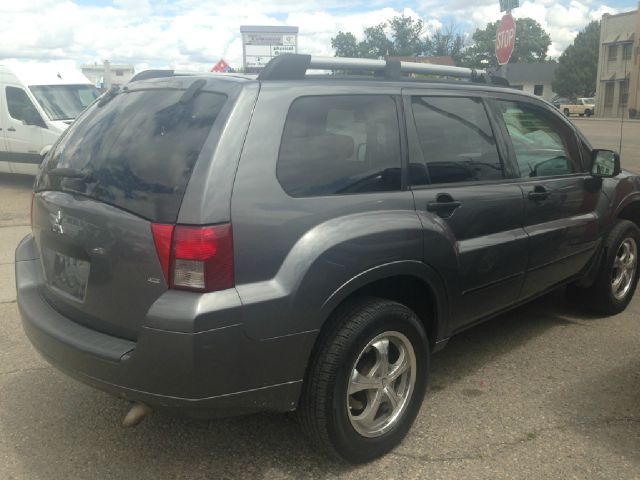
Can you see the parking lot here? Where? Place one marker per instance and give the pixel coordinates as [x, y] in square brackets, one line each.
[545, 391]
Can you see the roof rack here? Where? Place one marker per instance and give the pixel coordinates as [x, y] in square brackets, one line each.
[294, 67]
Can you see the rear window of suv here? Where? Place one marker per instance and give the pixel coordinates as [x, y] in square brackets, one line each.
[140, 148]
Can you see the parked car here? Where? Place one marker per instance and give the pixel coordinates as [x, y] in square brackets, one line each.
[558, 100]
[37, 103]
[583, 107]
[225, 244]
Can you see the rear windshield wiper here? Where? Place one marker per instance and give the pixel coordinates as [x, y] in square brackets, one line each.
[108, 96]
[65, 172]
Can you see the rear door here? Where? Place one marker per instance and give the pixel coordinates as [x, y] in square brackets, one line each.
[560, 195]
[462, 185]
[98, 256]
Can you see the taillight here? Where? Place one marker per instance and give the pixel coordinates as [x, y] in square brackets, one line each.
[195, 258]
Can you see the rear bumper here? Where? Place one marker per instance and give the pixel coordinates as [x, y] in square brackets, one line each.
[219, 371]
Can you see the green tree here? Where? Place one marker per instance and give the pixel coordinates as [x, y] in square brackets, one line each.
[578, 65]
[532, 44]
[345, 45]
[446, 41]
[375, 43]
[407, 36]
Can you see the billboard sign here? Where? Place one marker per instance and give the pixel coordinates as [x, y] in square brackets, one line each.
[261, 43]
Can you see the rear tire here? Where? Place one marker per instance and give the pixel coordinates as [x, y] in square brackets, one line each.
[566, 112]
[351, 405]
[617, 277]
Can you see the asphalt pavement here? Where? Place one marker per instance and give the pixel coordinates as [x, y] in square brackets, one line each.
[545, 391]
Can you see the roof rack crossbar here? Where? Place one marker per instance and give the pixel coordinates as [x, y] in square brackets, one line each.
[294, 66]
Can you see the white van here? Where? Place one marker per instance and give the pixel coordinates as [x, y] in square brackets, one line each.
[37, 103]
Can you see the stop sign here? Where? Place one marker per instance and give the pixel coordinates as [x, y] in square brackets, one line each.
[505, 39]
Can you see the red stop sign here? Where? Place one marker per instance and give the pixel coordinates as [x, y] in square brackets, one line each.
[505, 39]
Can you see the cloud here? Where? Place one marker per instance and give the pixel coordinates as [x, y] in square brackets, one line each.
[194, 34]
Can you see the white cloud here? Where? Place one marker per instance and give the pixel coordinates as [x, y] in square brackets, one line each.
[194, 34]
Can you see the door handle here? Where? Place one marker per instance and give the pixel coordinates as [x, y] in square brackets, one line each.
[538, 193]
[444, 205]
[11, 129]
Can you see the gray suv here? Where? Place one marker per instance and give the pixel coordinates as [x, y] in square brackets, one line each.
[225, 244]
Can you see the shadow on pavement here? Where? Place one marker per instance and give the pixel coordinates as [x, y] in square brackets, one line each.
[57, 428]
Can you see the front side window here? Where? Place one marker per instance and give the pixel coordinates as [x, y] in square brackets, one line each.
[456, 140]
[20, 107]
[340, 144]
[544, 146]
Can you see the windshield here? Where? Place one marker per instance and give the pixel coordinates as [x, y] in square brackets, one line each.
[64, 102]
[588, 101]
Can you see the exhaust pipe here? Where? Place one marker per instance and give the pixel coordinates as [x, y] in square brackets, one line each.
[136, 414]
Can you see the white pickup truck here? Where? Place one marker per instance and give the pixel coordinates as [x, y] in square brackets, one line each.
[582, 106]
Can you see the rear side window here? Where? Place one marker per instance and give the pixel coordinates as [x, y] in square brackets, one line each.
[543, 144]
[456, 139]
[339, 145]
[140, 148]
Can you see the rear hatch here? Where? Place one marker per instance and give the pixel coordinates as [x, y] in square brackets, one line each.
[122, 166]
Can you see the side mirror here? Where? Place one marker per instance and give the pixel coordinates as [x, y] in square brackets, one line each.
[605, 163]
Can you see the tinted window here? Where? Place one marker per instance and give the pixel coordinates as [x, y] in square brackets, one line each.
[543, 144]
[140, 148]
[21, 108]
[340, 144]
[456, 139]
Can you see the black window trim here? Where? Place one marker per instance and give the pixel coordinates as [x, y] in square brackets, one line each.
[416, 154]
[402, 131]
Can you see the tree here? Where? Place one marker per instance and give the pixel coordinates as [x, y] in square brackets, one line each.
[578, 65]
[407, 36]
[345, 45]
[532, 44]
[375, 43]
[446, 41]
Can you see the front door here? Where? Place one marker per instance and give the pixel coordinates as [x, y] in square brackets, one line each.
[560, 196]
[24, 130]
[4, 149]
[470, 209]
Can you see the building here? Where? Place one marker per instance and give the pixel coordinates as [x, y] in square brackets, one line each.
[618, 87]
[534, 78]
[260, 43]
[446, 60]
[105, 75]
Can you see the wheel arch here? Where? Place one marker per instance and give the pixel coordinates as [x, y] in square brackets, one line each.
[412, 283]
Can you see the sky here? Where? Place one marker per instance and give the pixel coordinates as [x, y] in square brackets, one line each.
[195, 34]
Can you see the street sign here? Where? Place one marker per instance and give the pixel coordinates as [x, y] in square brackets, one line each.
[221, 67]
[508, 5]
[505, 39]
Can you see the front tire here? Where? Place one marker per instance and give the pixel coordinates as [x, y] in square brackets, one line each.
[366, 381]
[617, 277]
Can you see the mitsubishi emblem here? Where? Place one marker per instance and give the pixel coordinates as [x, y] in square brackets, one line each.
[57, 223]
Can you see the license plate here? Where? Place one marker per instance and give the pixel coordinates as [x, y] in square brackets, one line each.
[67, 274]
